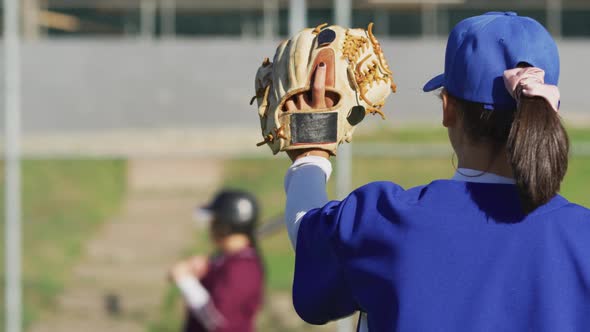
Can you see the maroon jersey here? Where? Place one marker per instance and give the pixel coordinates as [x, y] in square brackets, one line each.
[235, 284]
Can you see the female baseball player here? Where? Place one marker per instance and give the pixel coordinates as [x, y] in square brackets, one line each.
[495, 248]
[223, 293]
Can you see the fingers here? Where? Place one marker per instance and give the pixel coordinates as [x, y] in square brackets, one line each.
[291, 107]
[199, 266]
[317, 98]
[301, 103]
[329, 101]
[180, 270]
[318, 90]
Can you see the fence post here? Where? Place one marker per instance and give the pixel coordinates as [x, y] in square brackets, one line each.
[343, 11]
[297, 16]
[13, 291]
[147, 24]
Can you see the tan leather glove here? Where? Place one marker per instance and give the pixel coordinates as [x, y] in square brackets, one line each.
[357, 81]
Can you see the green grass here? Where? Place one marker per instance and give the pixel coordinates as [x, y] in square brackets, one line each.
[579, 134]
[171, 314]
[64, 201]
[575, 184]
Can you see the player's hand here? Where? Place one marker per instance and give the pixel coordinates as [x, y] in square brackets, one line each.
[199, 266]
[179, 271]
[317, 99]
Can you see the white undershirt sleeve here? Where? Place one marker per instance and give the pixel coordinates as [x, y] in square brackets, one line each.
[199, 302]
[305, 187]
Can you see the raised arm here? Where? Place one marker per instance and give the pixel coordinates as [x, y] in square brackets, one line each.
[305, 187]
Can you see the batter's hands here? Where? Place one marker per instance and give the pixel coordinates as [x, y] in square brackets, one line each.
[199, 266]
[196, 266]
[317, 99]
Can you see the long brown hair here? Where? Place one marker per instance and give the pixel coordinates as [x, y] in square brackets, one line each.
[535, 140]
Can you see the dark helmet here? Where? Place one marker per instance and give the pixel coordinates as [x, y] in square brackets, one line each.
[236, 209]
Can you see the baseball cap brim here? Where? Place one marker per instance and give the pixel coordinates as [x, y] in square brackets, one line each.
[435, 83]
[207, 210]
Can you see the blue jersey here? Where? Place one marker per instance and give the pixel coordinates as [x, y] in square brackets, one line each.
[449, 256]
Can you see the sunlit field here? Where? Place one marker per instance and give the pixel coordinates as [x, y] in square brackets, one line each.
[64, 202]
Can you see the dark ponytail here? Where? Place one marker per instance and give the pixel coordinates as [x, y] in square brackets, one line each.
[538, 148]
[535, 140]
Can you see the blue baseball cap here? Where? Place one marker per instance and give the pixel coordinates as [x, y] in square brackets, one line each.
[481, 48]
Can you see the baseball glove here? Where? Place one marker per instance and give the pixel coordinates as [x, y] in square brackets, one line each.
[358, 80]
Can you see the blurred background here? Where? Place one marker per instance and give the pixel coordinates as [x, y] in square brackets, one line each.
[135, 111]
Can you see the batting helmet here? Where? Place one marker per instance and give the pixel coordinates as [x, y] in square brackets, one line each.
[238, 210]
